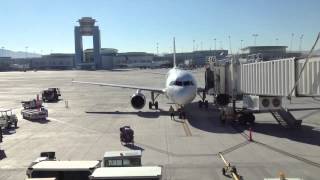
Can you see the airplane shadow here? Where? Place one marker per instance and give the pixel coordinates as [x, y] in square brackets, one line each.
[53, 102]
[9, 131]
[208, 120]
[2, 154]
[305, 134]
[120, 70]
[40, 121]
[134, 147]
[148, 114]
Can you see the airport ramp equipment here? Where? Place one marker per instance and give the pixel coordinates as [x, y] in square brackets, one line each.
[278, 78]
[34, 114]
[8, 119]
[285, 118]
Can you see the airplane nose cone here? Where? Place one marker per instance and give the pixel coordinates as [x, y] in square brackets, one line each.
[184, 95]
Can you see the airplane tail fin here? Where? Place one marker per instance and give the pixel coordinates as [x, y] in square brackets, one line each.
[174, 52]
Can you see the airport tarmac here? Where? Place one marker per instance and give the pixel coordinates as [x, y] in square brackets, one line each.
[187, 150]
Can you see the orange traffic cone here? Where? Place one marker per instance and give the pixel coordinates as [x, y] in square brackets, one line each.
[250, 134]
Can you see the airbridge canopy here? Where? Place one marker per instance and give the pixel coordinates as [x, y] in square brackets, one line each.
[278, 77]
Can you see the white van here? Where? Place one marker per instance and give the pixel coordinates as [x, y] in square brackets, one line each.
[63, 170]
[122, 158]
[132, 173]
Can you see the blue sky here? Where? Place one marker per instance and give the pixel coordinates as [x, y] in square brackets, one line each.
[137, 25]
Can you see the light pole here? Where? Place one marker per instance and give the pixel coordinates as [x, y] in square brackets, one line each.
[255, 38]
[300, 43]
[215, 44]
[201, 46]
[292, 35]
[2, 50]
[277, 41]
[230, 44]
[241, 41]
[194, 41]
[26, 54]
[157, 49]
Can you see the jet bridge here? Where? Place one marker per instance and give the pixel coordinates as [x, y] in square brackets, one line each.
[262, 86]
[278, 78]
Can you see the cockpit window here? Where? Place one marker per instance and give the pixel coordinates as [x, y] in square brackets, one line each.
[181, 83]
[187, 83]
[178, 83]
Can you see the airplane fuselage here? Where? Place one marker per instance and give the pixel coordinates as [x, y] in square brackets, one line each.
[181, 86]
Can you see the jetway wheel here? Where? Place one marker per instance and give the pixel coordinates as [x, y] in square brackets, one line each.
[245, 118]
[223, 99]
[251, 118]
[242, 119]
[156, 105]
[200, 103]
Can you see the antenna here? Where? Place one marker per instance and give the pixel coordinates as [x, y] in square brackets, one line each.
[174, 52]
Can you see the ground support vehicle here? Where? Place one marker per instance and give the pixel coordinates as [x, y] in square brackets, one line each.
[31, 104]
[126, 135]
[8, 119]
[34, 114]
[51, 95]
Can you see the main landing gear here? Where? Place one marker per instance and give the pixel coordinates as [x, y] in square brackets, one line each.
[153, 101]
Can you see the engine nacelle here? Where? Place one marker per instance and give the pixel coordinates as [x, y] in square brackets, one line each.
[138, 100]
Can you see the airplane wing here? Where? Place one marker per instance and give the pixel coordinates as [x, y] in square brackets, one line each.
[157, 90]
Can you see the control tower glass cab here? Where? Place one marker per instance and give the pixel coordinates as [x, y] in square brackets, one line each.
[87, 28]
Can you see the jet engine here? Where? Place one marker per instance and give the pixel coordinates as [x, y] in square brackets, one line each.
[138, 100]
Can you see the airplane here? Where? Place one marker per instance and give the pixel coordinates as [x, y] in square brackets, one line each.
[180, 88]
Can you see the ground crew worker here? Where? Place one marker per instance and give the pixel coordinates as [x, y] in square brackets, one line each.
[171, 112]
[1, 135]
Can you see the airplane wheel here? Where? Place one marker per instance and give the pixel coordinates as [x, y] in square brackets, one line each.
[251, 118]
[16, 124]
[242, 119]
[156, 105]
[206, 104]
[223, 171]
[200, 104]
[150, 105]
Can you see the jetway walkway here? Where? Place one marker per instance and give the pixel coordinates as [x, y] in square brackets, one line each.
[278, 78]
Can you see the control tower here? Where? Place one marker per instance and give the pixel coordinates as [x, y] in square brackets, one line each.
[87, 28]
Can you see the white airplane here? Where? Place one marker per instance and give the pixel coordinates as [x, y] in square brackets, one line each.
[181, 89]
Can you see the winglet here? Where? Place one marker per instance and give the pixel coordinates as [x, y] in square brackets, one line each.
[174, 52]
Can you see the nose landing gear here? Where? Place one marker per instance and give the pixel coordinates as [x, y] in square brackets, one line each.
[204, 103]
[182, 114]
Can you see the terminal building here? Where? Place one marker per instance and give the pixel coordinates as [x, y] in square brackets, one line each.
[109, 58]
[197, 58]
[267, 53]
